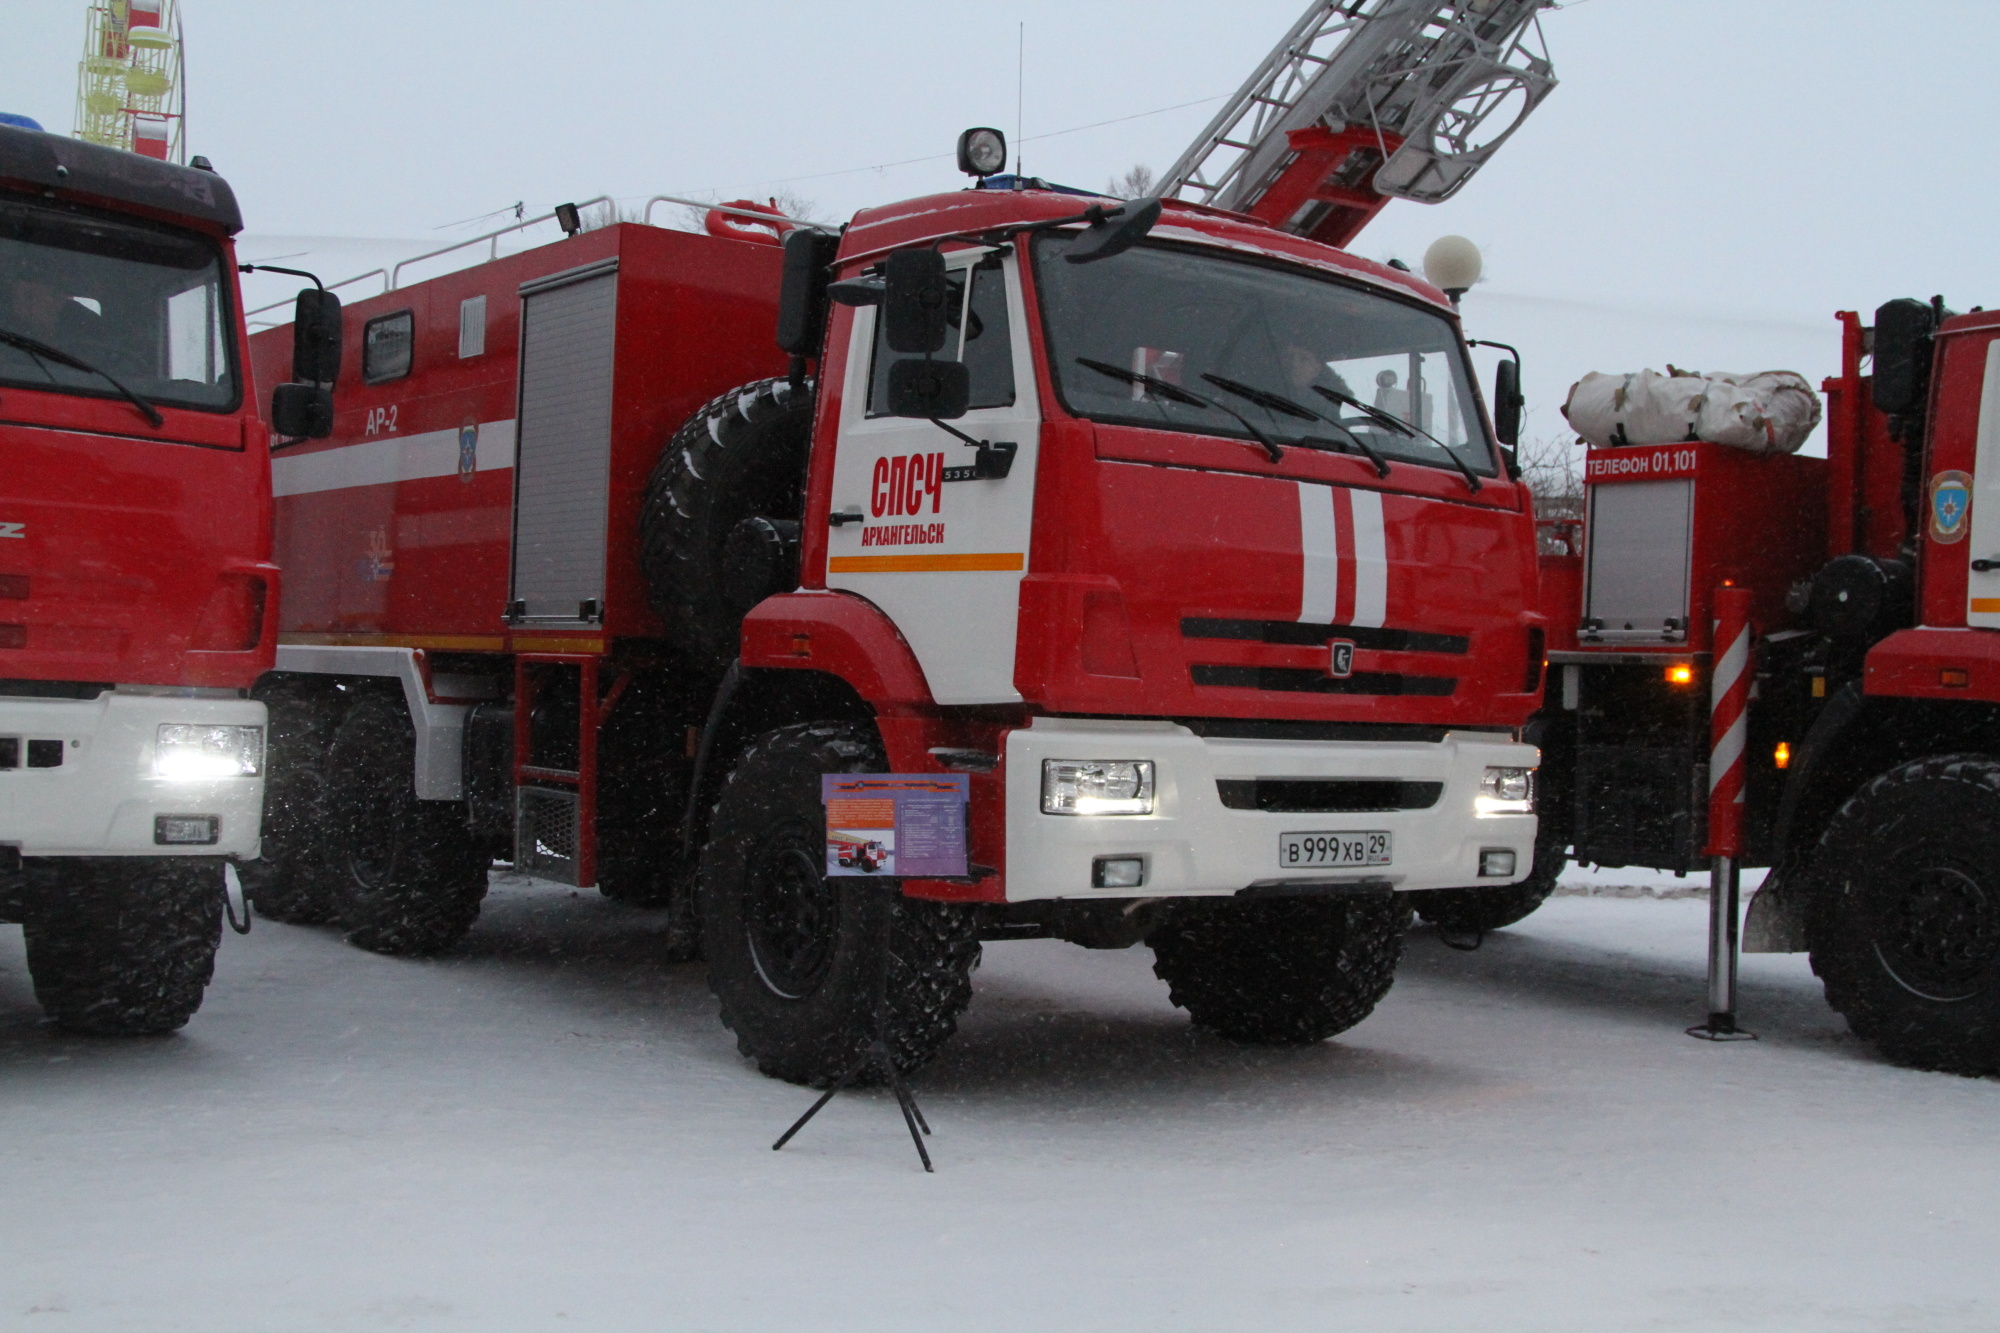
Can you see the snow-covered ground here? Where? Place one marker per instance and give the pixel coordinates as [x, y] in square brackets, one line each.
[549, 1130]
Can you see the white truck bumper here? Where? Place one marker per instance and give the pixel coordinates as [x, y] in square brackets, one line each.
[1194, 844]
[104, 798]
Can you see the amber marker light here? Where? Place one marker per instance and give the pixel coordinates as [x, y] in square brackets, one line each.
[1680, 673]
[1782, 756]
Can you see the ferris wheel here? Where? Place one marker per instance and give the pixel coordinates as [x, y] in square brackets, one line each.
[129, 85]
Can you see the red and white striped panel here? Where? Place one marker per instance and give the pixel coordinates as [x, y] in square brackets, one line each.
[1346, 557]
[143, 14]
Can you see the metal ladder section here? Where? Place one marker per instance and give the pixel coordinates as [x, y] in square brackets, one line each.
[555, 809]
[1365, 100]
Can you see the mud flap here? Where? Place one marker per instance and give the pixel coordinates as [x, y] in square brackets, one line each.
[1776, 920]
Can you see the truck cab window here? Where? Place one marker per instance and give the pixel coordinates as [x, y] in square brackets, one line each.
[386, 344]
[1181, 316]
[979, 336]
[147, 305]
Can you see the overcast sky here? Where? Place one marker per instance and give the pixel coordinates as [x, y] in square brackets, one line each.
[1710, 182]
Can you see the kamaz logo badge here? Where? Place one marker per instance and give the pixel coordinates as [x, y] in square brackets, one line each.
[1340, 661]
[13, 529]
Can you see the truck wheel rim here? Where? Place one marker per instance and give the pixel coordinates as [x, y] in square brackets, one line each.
[1938, 935]
[792, 916]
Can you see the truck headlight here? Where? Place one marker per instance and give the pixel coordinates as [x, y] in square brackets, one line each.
[1097, 786]
[193, 751]
[1506, 791]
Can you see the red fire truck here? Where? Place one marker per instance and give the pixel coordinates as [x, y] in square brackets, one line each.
[1186, 537]
[135, 577]
[1868, 750]
[1224, 676]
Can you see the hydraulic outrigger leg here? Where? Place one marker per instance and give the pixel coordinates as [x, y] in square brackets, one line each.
[1729, 696]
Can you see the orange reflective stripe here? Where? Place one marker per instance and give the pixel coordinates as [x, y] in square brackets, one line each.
[993, 562]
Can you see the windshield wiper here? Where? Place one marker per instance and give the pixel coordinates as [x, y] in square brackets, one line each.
[1401, 427]
[1176, 394]
[1277, 402]
[36, 348]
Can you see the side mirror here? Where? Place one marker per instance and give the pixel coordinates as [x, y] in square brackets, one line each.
[1507, 402]
[316, 337]
[937, 390]
[1903, 331]
[809, 254]
[302, 411]
[916, 303]
[1115, 236]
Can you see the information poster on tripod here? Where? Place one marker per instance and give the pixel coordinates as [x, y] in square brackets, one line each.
[895, 825]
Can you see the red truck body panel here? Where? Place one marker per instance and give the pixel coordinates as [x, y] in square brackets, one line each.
[1758, 521]
[393, 540]
[1957, 386]
[1942, 658]
[141, 553]
[143, 557]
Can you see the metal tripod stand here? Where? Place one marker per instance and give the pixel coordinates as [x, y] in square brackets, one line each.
[876, 1054]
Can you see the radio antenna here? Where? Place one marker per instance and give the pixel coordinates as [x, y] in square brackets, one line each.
[1020, 84]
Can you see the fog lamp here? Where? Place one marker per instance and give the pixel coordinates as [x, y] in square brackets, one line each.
[186, 830]
[1097, 786]
[1118, 872]
[1506, 791]
[192, 751]
[1496, 863]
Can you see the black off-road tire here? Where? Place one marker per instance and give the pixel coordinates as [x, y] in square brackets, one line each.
[741, 456]
[408, 875]
[1474, 911]
[1903, 917]
[124, 946]
[642, 792]
[290, 879]
[1282, 971]
[796, 957]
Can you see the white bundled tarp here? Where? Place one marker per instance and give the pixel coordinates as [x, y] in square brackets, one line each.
[1771, 412]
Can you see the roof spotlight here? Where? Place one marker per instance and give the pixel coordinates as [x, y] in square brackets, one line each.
[982, 152]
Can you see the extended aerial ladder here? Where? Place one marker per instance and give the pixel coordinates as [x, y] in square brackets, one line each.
[1368, 100]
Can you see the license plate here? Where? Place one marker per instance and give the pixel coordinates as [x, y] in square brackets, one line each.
[1303, 851]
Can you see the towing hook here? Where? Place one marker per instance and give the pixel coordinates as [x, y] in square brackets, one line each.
[1467, 941]
[234, 904]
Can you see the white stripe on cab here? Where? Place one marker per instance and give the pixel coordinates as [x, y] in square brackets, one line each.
[1319, 540]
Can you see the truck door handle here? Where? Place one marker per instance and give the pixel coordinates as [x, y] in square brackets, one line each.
[840, 516]
[1986, 566]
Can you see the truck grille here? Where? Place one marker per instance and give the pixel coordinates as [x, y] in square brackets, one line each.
[1306, 680]
[1296, 634]
[1327, 795]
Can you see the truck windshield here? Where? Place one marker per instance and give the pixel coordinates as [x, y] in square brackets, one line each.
[1216, 327]
[144, 305]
